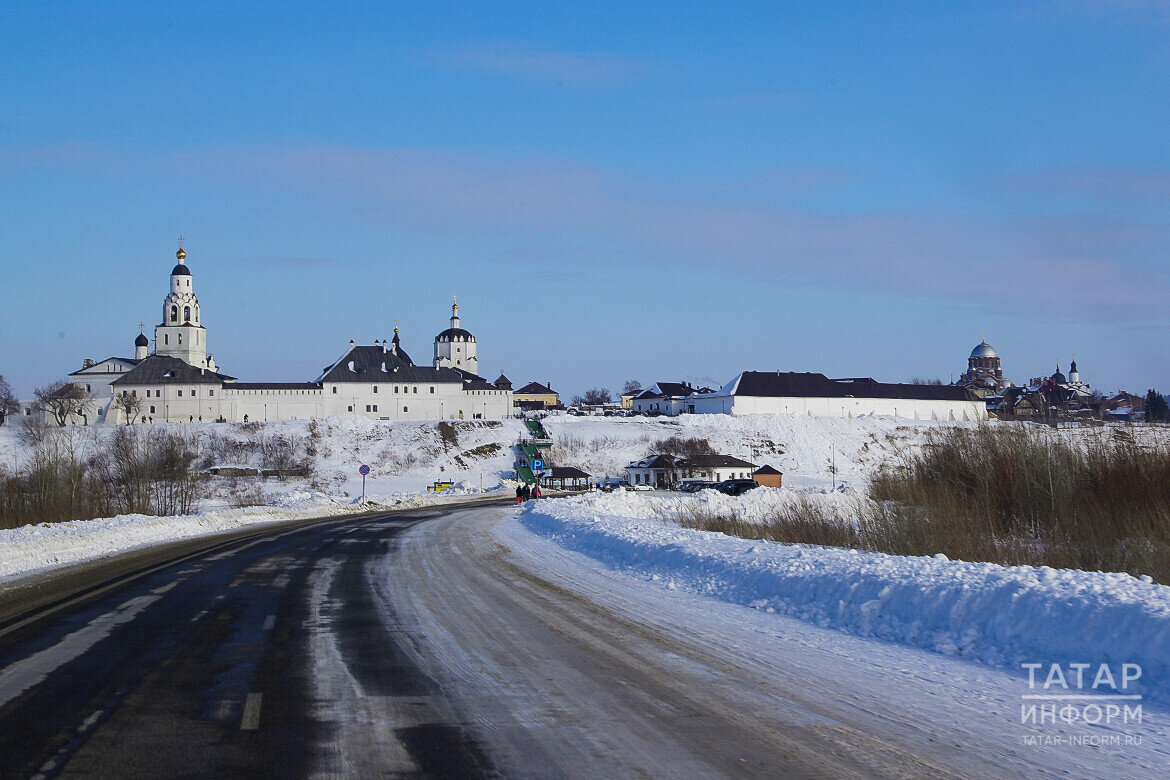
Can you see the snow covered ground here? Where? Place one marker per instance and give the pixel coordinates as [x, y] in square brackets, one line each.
[406, 457]
[958, 716]
[999, 615]
[36, 548]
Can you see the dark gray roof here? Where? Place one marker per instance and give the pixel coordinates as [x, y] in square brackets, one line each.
[790, 384]
[180, 270]
[475, 381]
[655, 462]
[131, 361]
[766, 469]
[163, 369]
[455, 334]
[535, 388]
[274, 386]
[713, 461]
[369, 362]
[142, 341]
[504, 383]
[674, 388]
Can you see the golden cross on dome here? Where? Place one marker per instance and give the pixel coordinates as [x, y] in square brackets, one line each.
[141, 327]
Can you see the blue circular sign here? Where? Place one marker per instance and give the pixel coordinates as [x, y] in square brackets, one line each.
[364, 470]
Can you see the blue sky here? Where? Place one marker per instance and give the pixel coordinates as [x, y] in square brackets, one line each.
[651, 191]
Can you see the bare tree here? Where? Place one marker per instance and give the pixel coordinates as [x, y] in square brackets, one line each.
[62, 399]
[597, 395]
[8, 402]
[631, 387]
[129, 405]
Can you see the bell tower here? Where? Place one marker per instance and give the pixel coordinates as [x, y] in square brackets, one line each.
[455, 347]
[181, 334]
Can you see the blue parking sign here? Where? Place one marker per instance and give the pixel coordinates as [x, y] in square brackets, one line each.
[538, 465]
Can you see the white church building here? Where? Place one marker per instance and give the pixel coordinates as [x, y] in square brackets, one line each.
[180, 382]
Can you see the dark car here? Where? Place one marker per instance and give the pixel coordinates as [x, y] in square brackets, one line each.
[695, 485]
[736, 487]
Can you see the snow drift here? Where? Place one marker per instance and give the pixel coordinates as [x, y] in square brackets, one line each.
[1000, 615]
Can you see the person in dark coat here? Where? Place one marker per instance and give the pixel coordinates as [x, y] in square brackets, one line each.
[519, 494]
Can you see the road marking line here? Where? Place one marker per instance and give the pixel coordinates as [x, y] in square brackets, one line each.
[87, 724]
[197, 617]
[27, 672]
[269, 622]
[251, 719]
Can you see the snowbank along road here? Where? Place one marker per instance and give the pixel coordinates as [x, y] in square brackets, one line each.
[457, 643]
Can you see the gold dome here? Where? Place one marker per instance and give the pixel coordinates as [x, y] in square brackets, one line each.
[181, 255]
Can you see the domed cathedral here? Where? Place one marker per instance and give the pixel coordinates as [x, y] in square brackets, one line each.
[984, 375]
[455, 347]
[180, 334]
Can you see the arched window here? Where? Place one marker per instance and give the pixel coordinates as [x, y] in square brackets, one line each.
[186, 314]
[174, 314]
[180, 339]
[166, 339]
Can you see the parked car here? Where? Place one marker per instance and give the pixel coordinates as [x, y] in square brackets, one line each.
[695, 485]
[736, 487]
[615, 485]
[640, 487]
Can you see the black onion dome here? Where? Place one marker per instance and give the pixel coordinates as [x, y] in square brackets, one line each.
[456, 334]
[142, 341]
[180, 270]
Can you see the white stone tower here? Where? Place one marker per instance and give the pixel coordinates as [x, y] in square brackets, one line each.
[181, 334]
[455, 347]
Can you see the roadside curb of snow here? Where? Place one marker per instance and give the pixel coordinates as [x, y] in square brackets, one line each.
[35, 549]
[999, 615]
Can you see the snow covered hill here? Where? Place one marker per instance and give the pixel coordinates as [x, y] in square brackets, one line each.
[406, 457]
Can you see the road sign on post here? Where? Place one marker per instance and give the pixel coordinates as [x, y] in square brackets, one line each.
[364, 470]
[537, 464]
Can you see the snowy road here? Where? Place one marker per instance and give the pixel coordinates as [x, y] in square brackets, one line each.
[456, 643]
[568, 668]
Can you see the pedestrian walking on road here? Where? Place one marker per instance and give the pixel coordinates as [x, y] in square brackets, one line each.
[519, 494]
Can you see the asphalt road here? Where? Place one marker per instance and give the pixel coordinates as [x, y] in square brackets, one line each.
[211, 665]
[419, 644]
